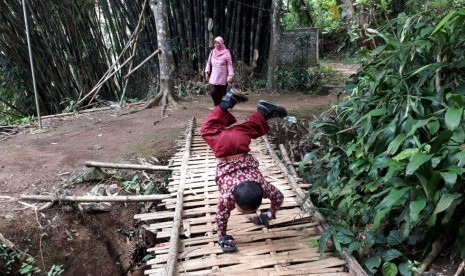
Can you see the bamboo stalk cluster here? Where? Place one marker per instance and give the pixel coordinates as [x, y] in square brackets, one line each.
[76, 43]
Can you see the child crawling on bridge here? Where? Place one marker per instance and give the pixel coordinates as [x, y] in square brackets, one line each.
[238, 177]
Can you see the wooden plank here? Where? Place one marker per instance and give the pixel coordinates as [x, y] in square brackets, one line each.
[254, 249]
[282, 249]
[266, 272]
[235, 262]
[283, 217]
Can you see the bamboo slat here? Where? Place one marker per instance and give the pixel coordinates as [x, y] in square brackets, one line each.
[281, 249]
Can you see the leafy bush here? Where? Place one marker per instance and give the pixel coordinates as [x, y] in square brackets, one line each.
[388, 173]
[259, 84]
[8, 258]
[296, 77]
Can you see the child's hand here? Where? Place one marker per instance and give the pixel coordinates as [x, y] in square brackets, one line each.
[262, 219]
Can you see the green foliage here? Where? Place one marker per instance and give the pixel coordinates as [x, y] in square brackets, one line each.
[184, 89]
[23, 121]
[259, 84]
[296, 77]
[140, 186]
[440, 6]
[131, 100]
[389, 167]
[29, 267]
[323, 15]
[8, 257]
[70, 105]
[147, 257]
[56, 270]
[11, 98]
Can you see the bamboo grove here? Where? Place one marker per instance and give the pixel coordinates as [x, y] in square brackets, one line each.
[84, 51]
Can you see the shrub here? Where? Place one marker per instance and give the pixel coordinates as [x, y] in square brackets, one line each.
[388, 172]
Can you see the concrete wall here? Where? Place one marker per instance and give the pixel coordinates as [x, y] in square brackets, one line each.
[299, 44]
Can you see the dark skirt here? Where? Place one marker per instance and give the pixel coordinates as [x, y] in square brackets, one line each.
[217, 92]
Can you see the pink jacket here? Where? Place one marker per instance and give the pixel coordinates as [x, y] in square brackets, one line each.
[219, 68]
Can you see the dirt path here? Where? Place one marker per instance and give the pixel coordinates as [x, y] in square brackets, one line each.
[33, 162]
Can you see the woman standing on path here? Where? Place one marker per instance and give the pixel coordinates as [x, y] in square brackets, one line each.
[219, 70]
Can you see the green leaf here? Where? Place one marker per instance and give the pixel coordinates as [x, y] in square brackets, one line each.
[389, 269]
[147, 257]
[416, 207]
[343, 238]
[386, 204]
[308, 157]
[433, 126]
[376, 112]
[392, 198]
[407, 153]
[417, 125]
[370, 239]
[453, 117]
[338, 246]
[450, 211]
[323, 240]
[457, 99]
[373, 263]
[395, 144]
[416, 161]
[421, 69]
[444, 202]
[404, 269]
[312, 243]
[429, 185]
[441, 140]
[450, 178]
[443, 21]
[395, 237]
[378, 50]
[354, 246]
[460, 157]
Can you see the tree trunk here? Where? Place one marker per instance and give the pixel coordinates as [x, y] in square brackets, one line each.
[256, 43]
[347, 10]
[167, 94]
[272, 84]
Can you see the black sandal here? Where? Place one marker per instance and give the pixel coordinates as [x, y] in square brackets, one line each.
[227, 243]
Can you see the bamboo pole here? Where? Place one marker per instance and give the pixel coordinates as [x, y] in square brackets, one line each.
[307, 205]
[460, 269]
[57, 198]
[36, 95]
[78, 112]
[108, 74]
[127, 166]
[256, 43]
[252, 33]
[104, 78]
[170, 267]
[352, 263]
[142, 63]
[134, 48]
[287, 160]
